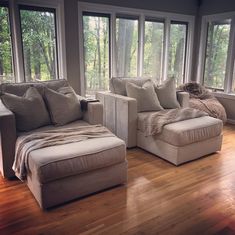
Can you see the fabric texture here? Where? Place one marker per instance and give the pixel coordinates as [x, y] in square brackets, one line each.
[63, 105]
[166, 94]
[118, 85]
[27, 143]
[153, 122]
[30, 110]
[146, 97]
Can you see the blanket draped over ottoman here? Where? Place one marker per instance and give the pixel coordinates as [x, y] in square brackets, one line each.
[27, 143]
[154, 122]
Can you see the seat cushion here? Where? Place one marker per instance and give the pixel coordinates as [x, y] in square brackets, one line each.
[188, 131]
[56, 162]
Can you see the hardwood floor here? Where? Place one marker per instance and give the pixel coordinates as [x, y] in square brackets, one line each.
[195, 198]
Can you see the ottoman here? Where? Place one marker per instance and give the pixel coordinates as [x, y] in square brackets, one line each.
[70, 171]
[183, 141]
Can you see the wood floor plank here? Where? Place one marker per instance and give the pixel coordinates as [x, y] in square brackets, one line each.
[195, 198]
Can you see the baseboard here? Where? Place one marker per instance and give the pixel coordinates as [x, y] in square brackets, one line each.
[231, 121]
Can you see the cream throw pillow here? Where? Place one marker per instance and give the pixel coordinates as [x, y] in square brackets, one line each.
[63, 105]
[146, 97]
[166, 94]
[30, 110]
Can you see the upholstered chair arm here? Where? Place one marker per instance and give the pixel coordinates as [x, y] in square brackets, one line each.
[183, 98]
[7, 140]
[120, 116]
[94, 113]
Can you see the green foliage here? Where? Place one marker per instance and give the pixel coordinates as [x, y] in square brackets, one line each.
[216, 55]
[39, 44]
[6, 70]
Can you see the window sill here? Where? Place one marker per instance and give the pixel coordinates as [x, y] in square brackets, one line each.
[220, 94]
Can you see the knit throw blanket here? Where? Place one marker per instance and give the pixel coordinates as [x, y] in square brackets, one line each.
[27, 143]
[154, 122]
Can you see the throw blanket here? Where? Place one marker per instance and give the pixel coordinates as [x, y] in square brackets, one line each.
[154, 122]
[203, 99]
[27, 143]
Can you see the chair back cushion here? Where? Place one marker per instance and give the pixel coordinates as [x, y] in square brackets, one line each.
[118, 85]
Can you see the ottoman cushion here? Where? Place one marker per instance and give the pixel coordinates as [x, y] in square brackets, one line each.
[188, 131]
[76, 158]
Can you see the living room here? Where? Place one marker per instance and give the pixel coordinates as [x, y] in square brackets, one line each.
[117, 117]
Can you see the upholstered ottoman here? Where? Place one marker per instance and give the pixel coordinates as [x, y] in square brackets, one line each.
[74, 170]
[183, 141]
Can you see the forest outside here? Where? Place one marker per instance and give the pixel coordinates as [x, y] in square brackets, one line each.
[6, 67]
[39, 44]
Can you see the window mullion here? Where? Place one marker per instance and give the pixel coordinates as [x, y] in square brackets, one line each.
[113, 45]
[141, 46]
[17, 41]
[230, 59]
[166, 47]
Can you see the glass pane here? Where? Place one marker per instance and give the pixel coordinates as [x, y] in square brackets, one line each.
[127, 47]
[177, 51]
[96, 47]
[6, 66]
[153, 49]
[216, 54]
[39, 44]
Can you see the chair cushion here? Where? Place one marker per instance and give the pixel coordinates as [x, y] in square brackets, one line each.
[61, 161]
[63, 104]
[166, 93]
[30, 110]
[188, 131]
[145, 96]
[118, 85]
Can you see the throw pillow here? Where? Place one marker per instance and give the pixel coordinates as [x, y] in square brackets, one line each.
[166, 94]
[30, 110]
[63, 105]
[118, 85]
[146, 97]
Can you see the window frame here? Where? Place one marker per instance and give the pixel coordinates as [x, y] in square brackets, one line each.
[230, 63]
[141, 14]
[87, 13]
[17, 44]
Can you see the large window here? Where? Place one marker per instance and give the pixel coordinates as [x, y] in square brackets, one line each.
[6, 59]
[216, 54]
[153, 49]
[121, 42]
[127, 46]
[96, 48]
[38, 31]
[177, 51]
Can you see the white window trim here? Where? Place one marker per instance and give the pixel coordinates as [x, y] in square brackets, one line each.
[230, 73]
[58, 5]
[141, 14]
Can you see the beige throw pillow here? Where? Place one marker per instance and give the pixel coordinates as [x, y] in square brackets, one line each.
[146, 97]
[30, 110]
[63, 105]
[166, 94]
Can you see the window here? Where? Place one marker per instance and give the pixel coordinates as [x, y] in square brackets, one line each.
[96, 49]
[38, 30]
[132, 43]
[216, 53]
[126, 46]
[6, 59]
[177, 51]
[153, 49]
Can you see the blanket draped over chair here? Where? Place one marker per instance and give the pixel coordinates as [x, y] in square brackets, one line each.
[42, 139]
[154, 122]
[202, 99]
